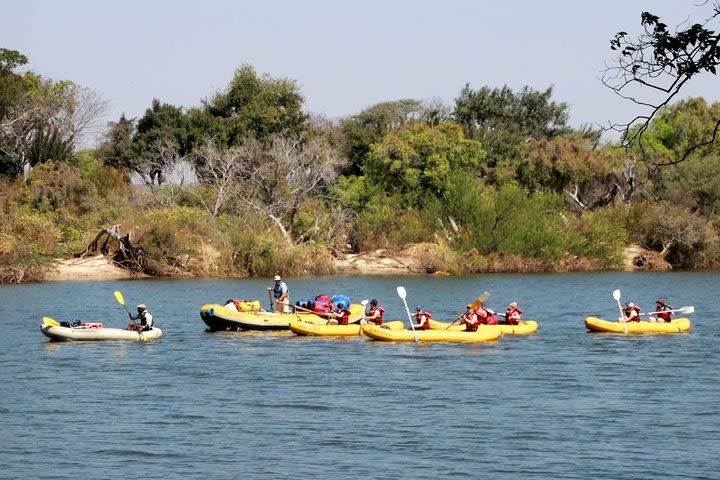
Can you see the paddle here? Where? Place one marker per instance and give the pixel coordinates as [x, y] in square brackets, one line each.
[270, 295]
[121, 301]
[481, 299]
[402, 294]
[616, 296]
[688, 309]
[51, 321]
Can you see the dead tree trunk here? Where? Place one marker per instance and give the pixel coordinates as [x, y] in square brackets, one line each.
[124, 254]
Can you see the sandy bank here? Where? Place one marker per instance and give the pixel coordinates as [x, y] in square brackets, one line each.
[88, 268]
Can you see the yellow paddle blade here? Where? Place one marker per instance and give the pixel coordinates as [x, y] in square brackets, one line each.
[119, 297]
[50, 321]
[481, 299]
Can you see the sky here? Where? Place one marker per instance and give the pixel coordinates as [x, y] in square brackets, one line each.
[345, 55]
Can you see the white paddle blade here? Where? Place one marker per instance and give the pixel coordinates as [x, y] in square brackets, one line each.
[364, 302]
[689, 309]
[616, 295]
[401, 292]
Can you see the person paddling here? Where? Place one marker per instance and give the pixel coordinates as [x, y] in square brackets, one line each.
[663, 312]
[631, 313]
[512, 314]
[145, 317]
[471, 319]
[341, 316]
[423, 318]
[486, 316]
[281, 295]
[375, 315]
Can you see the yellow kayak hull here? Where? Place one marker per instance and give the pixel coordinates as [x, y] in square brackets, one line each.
[524, 328]
[217, 317]
[678, 325]
[387, 335]
[303, 328]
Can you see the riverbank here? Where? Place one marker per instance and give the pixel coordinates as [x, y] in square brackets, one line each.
[414, 259]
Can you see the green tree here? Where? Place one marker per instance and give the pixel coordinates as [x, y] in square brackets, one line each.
[257, 106]
[418, 160]
[371, 125]
[504, 120]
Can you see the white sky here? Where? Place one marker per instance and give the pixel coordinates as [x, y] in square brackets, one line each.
[345, 55]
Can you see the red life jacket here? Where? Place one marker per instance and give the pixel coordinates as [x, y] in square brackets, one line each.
[512, 316]
[664, 315]
[379, 319]
[469, 325]
[427, 320]
[637, 317]
[485, 317]
[344, 318]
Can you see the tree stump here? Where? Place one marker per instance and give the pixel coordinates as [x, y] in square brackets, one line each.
[124, 254]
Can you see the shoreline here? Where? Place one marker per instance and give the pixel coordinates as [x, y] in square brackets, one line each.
[378, 262]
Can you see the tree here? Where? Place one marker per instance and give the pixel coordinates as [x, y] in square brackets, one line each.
[372, 124]
[38, 116]
[504, 120]
[161, 141]
[418, 160]
[589, 178]
[653, 68]
[257, 106]
[118, 149]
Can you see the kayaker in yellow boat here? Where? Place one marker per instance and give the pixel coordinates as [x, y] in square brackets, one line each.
[631, 313]
[512, 314]
[662, 312]
[281, 295]
[471, 319]
[423, 318]
[341, 316]
[375, 315]
[145, 317]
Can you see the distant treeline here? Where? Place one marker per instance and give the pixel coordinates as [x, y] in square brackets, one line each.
[497, 179]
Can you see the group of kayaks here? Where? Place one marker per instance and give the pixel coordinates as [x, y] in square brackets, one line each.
[305, 323]
[218, 317]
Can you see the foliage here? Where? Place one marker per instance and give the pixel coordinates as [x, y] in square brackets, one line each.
[372, 124]
[504, 120]
[258, 106]
[653, 68]
[419, 160]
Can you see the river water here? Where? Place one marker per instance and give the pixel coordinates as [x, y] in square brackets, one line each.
[559, 404]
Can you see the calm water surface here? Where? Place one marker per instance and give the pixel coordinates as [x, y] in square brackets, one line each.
[559, 404]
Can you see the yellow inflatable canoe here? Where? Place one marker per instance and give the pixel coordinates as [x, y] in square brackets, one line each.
[678, 325]
[217, 317]
[302, 327]
[387, 335]
[525, 327]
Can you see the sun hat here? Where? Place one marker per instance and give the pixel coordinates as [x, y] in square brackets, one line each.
[277, 278]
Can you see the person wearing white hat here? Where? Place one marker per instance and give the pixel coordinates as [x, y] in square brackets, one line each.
[281, 294]
[145, 317]
[631, 313]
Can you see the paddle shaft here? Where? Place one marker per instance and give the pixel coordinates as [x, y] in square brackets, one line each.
[616, 296]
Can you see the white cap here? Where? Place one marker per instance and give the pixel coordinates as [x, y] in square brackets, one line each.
[142, 305]
[277, 278]
[631, 304]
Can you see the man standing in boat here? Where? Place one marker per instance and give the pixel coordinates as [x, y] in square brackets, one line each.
[281, 295]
